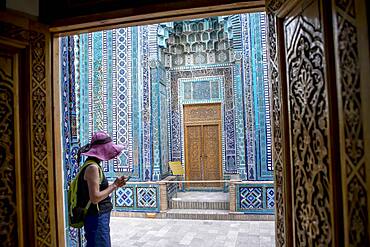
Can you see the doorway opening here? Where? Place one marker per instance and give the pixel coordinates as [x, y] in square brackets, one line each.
[202, 145]
[193, 91]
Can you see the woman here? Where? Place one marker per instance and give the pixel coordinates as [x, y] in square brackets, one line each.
[93, 186]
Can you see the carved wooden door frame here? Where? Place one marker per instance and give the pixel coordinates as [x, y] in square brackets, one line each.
[345, 21]
[345, 44]
[32, 131]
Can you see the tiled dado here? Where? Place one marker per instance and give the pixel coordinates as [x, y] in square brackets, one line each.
[243, 198]
[137, 197]
[255, 197]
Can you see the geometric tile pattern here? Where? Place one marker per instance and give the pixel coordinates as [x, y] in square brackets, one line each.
[205, 89]
[146, 102]
[102, 89]
[135, 105]
[263, 24]
[84, 89]
[156, 125]
[255, 198]
[159, 98]
[146, 197]
[256, 99]
[136, 198]
[250, 197]
[248, 99]
[270, 197]
[125, 197]
[240, 124]
[164, 123]
[260, 94]
[239, 117]
[122, 98]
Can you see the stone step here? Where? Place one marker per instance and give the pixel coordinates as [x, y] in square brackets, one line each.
[200, 200]
[205, 214]
[179, 204]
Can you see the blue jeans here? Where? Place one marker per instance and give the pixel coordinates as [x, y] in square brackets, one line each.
[97, 230]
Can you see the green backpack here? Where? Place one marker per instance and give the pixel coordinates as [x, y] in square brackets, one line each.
[77, 214]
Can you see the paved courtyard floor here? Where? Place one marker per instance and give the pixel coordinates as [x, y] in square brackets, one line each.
[127, 231]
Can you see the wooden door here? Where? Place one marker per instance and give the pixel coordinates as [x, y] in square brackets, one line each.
[203, 144]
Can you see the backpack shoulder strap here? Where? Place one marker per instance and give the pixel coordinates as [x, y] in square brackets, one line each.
[74, 182]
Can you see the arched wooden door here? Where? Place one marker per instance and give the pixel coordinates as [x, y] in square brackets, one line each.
[203, 160]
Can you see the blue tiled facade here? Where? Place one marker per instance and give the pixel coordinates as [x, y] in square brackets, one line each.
[133, 83]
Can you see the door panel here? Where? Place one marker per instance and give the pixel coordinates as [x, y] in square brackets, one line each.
[193, 153]
[211, 154]
[203, 144]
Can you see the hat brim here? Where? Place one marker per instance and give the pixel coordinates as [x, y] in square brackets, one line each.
[105, 151]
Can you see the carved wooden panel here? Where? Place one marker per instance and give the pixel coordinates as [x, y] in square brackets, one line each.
[274, 5]
[204, 112]
[40, 118]
[347, 23]
[193, 152]
[37, 104]
[309, 128]
[211, 154]
[8, 192]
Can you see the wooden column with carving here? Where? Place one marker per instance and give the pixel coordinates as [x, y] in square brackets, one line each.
[280, 154]
[320, 126]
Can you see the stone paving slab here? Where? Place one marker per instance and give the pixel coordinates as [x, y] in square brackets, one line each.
[142, 232]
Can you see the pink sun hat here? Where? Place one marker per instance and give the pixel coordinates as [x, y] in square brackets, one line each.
[101, 147]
